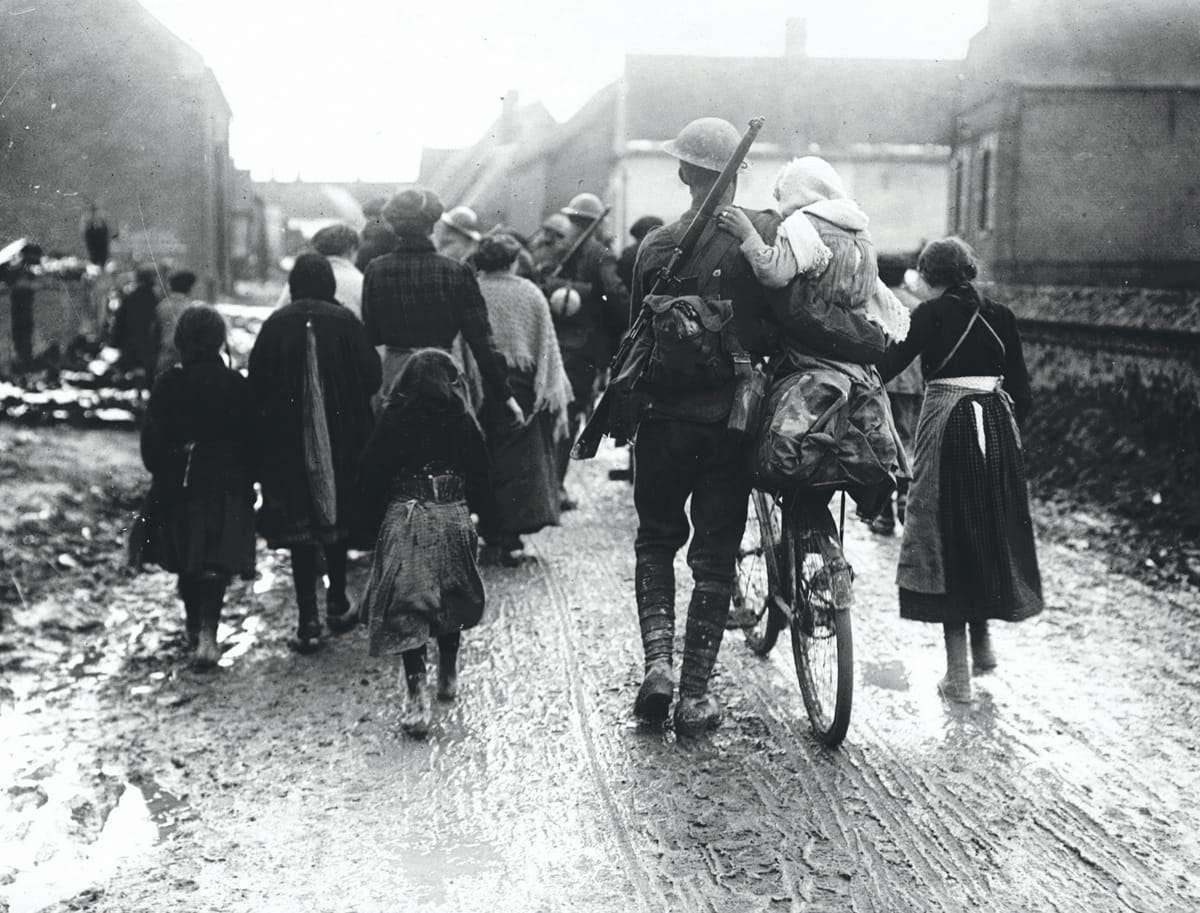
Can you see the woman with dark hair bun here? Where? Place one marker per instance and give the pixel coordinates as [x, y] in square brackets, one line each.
[198, 443]
[968, 554]
[312, 373]
[523, 454]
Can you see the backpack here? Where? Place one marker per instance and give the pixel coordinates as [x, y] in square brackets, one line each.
[692, 337]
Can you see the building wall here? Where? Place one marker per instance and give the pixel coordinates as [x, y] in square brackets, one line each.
[1087, 185]
[1108, 187]
[905, 200]
[106, 105]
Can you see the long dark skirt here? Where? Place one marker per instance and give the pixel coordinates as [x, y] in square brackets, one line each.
[424, 581]
[987, 534]
[524, 473]
[213, 532]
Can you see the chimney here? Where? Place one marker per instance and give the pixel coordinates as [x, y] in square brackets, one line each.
[795, 43]
[508, 126]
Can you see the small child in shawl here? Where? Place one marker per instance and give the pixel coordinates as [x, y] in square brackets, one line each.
[809, 189]
[425, 464]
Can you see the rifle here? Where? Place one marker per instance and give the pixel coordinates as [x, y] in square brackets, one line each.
[579, 242]
[596, 428]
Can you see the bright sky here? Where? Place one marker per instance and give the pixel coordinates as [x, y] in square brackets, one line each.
[354, 88]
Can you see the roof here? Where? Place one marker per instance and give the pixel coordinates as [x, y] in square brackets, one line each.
[1088, 43]
[831, 102]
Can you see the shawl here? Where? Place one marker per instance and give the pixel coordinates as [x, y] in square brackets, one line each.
[318, 449]
[524, 334]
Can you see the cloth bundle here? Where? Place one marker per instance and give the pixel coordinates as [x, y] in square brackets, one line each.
[828, 426]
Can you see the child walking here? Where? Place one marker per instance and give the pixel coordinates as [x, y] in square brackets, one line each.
[968, 554]
[427, 466]
[198, 445]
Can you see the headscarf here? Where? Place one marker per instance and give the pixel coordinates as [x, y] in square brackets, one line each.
[312, 278]
[806, 180]
[429, 377]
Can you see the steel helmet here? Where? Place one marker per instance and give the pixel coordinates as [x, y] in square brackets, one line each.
[463, 220]
[707, 142]
[585, 206]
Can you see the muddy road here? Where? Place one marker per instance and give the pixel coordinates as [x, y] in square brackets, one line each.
[281, 782]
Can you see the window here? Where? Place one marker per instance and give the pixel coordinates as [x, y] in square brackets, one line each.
[985, 201]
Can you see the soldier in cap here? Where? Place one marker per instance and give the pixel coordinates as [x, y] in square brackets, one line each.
[588, 301]
[456, 234]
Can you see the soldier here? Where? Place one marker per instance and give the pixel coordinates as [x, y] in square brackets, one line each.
[456, 234]
[588, 326]
[681, 451]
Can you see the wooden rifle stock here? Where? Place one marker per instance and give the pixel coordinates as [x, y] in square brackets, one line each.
[597, 426]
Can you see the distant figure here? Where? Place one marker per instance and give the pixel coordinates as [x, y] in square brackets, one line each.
[456, 234]
[19, 277]
[968, 553]
[589, 303]
[338, 244]
[312, 374]
[638, 230]
[426, 467]
[377, 235]
[198, 443]
[166, 314]
[96, 236]
[133, 326]
[524, 468]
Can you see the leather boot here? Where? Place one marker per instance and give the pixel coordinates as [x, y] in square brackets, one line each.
[208, 654]
[983, 659]
[655, 588]
[698, 710]
[956, 685]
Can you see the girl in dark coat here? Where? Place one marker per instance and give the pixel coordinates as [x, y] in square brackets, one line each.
[312, 375]
[425, 464]
[968, 553]
[198, 444]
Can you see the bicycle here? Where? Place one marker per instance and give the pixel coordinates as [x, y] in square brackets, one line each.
[791, 569]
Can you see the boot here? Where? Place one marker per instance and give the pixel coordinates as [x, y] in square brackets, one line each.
[208, 654]
[885, 522]
[698, 710]
[655, 588]
[308, 630]
[447, 689]
[417, 715]
[982, 658]
[306, 562]
[340, 615]
[191, 611]
[956, 685]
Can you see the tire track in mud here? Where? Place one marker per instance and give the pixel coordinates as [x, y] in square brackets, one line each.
[635, 871]
[1007, 806]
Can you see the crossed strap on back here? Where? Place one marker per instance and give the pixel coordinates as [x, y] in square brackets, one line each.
[976, 317]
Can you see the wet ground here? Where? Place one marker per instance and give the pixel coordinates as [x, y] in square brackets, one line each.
[280, 783]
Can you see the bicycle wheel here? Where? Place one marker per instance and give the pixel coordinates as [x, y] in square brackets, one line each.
[758, 578]
[822, 639]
